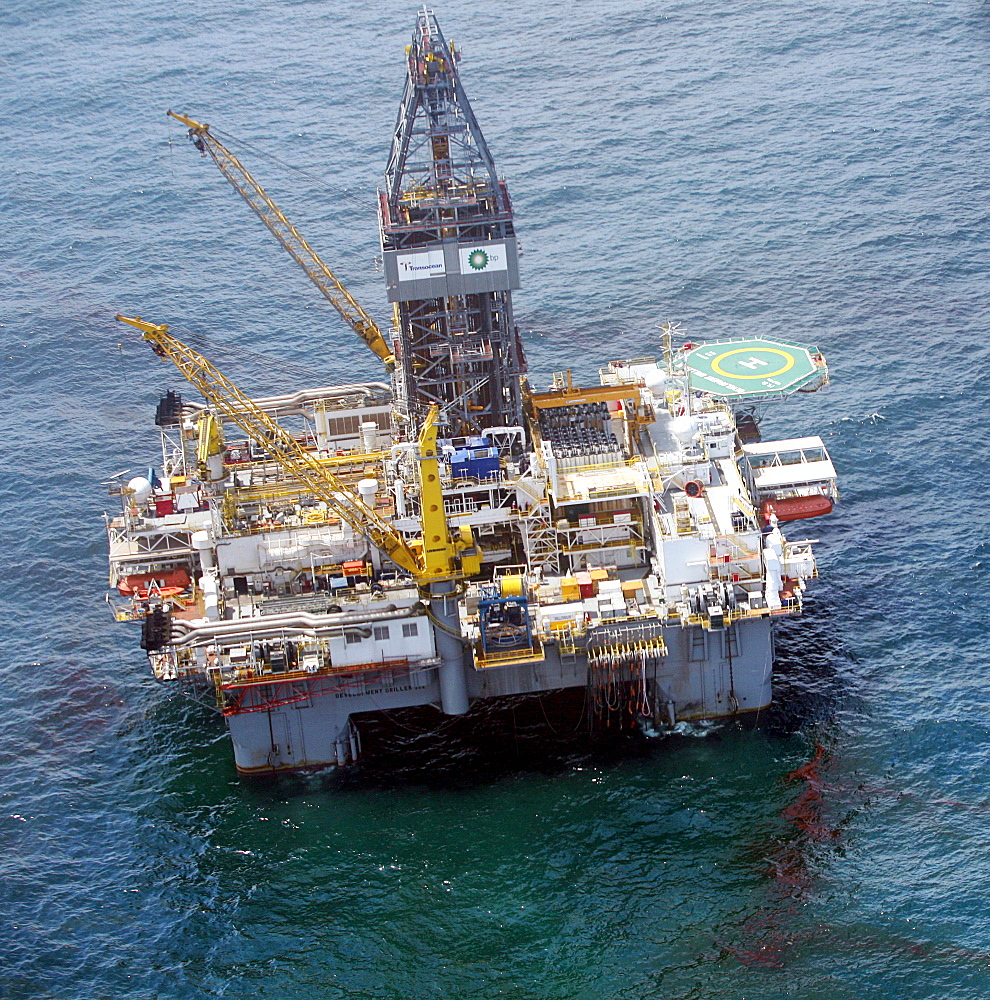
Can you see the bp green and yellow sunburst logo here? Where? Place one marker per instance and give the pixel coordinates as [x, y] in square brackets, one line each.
[478, 260]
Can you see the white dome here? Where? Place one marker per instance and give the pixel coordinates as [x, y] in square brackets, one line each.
[656, 381]
[684, 428]
[141, 488]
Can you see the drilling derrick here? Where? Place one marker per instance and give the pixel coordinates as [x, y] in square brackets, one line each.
[449, 253]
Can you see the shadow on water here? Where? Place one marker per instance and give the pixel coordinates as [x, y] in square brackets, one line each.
[814, 674]
[529, 734]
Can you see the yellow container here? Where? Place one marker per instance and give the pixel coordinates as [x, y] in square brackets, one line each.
[570, 589]
[629, 587]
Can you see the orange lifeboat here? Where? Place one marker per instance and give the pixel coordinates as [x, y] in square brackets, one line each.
[797, 508]
[163, 592]
[176, 580]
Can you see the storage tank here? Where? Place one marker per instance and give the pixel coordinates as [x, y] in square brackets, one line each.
[367, 490]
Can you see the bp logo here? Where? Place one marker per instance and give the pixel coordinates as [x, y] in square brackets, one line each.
[478, 260]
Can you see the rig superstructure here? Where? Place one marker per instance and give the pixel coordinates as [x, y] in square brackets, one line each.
[451, 534]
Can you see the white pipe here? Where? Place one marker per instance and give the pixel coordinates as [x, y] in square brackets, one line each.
[305, 396]
[400, 497]
[322, 427]
[303, 620]
[211, 596]
[202, 542]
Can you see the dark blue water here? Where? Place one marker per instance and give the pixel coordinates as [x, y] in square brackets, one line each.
[812, 171]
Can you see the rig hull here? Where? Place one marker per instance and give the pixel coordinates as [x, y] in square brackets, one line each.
[317, 732]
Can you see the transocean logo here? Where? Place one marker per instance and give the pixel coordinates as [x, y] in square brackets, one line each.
[478, 260]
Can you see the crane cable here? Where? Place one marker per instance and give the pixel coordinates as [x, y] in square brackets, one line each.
[294, 243]
[262, 153]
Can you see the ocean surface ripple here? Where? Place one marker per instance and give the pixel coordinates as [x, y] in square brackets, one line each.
[805, 170]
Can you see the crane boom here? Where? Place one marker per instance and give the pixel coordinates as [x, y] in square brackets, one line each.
[290, 237]
[218, 390]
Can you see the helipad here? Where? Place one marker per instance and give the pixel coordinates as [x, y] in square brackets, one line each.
[740, 369]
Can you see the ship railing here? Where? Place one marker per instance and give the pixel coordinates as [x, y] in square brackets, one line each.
[121, 611]
[729, 573]
[622, 463]
[592, 494]
[605, 519]
[253, 675]
[523, 486]
[739, 552]
[731, 567]
[604, 547]
[464, 193]
[745, 507]
[803, 548]
[526, 654]
[569, 631]
[274, 691]
[152, 538]
[728, 618]
[566, 639]
[788, 606]
[459, 505]
[611, 376]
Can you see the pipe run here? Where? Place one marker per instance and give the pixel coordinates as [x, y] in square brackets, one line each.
[273, 634]
[304, 396]
[300, 621]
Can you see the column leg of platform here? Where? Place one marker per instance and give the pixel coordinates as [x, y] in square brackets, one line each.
[453, 683]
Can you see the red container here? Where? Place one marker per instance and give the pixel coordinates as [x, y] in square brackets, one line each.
[164, 506]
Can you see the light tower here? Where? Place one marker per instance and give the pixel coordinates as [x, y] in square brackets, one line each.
[449, 253]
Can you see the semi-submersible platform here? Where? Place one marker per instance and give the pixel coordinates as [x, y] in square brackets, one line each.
[450, 534]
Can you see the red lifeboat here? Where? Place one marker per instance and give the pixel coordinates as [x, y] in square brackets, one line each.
[797, 508]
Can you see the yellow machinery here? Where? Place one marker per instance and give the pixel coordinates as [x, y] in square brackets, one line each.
[438, 557]
[434, 549]
[209, 444]
[290, 238]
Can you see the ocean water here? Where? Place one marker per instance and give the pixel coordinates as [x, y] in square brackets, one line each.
[804, 170]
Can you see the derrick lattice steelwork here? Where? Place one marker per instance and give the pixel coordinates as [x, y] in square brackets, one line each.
[449, 252]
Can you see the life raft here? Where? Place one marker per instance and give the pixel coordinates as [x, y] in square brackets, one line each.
[163, 592]
[163, 580]
[797, 508]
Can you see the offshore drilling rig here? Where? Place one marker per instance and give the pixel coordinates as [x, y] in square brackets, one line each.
[453, 535]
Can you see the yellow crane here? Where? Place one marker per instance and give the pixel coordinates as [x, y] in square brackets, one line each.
[290, 237]
[438, 557]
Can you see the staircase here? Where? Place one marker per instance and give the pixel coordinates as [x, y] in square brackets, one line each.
[540, 538]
